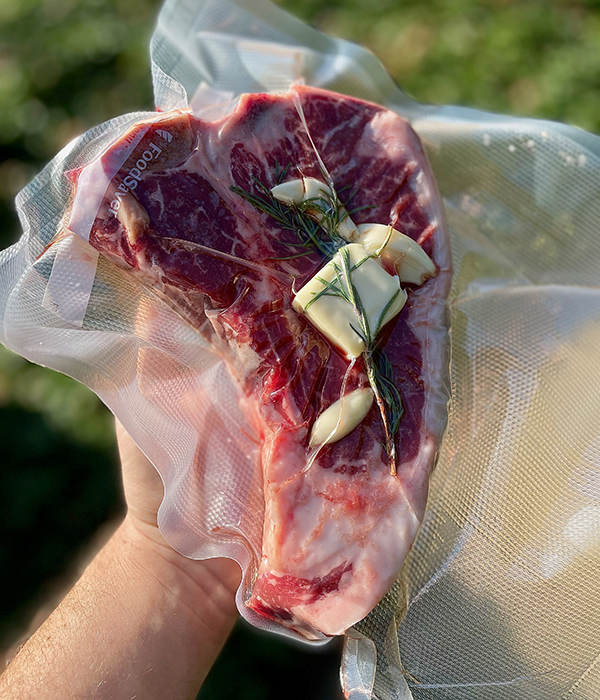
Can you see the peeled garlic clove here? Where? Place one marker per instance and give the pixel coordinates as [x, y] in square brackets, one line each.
[347, 228]
[307, 188]
[300, 190]
[412, 263]
[133, 216]
[289, 193]
[341, 417]
[316, 189]
[415, 267]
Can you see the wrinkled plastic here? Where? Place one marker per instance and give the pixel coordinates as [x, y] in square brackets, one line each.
[499, 595]
[164, 204]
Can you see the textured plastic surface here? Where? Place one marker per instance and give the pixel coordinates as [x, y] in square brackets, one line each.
[499, 595]
[171, 214]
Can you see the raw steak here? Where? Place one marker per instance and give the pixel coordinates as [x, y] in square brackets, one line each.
[337, 529]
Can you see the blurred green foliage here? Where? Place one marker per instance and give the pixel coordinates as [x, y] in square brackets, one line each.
[538, 58]
[66, 65]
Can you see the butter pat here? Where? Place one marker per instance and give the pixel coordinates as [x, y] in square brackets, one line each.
[302, 190]
[341, 417]
[335, 317]
[412, 263]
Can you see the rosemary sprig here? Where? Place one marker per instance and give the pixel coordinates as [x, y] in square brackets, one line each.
[336, 287]
[354, 210]
[315, 221]
[389, 401]
[379, 369]
[288, 218]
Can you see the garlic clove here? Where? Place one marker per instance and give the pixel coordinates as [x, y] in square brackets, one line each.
[309, 188]
[290, 193]
[340, 419]
[133, 216]
[316, 189]
[347, 228]
[412, 263]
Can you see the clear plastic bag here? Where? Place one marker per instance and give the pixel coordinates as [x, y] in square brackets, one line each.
[175, 202]
[498, 596]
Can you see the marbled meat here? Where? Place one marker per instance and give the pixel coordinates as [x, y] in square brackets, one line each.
[337, 526]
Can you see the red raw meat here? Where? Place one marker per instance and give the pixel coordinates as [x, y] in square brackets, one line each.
[336, 531]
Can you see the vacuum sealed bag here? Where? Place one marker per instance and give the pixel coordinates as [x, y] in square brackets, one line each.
[496, 598]
[273, 231]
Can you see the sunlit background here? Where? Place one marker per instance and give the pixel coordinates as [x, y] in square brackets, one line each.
[66, 65]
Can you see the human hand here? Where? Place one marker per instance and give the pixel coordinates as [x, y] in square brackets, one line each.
[144, 491]
[143, 620]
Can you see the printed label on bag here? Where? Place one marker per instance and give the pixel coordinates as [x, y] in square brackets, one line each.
[131, 180]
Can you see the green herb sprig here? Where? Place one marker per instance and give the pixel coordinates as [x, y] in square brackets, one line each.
[379, 368]
[315, 221]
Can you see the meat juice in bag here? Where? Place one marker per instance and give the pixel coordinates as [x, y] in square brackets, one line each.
[302, 236]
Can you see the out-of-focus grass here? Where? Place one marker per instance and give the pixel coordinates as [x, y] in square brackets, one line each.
[66, 65]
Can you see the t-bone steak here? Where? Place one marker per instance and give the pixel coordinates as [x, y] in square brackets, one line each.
[338, 523]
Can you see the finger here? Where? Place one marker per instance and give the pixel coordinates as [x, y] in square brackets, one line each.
[142, 484]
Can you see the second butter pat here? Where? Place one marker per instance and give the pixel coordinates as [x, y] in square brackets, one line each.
[334, 316]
